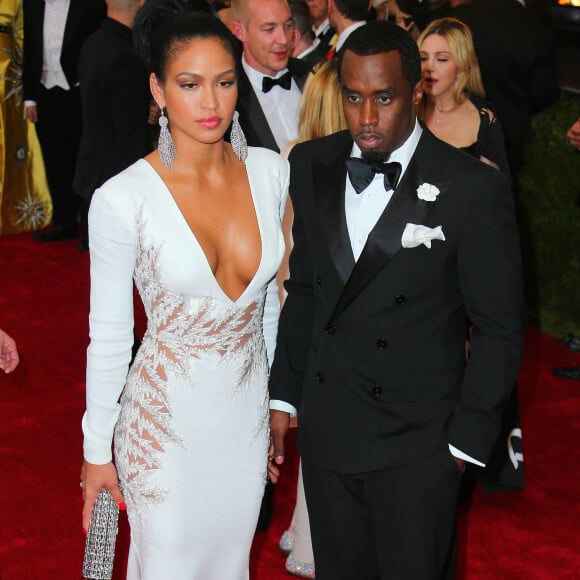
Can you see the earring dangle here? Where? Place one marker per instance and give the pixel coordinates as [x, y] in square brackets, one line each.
[165, 144]
[238, 139]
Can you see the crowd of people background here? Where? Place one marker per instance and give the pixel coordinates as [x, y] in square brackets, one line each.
[150, 131]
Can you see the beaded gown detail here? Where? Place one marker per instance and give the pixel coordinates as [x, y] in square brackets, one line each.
[191, 424]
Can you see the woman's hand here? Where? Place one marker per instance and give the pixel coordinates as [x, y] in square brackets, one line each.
[95, 478]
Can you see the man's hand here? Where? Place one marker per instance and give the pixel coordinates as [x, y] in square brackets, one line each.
[573, 134]
[31, 113]
[279, 423]
[460, 464]
[9, 358]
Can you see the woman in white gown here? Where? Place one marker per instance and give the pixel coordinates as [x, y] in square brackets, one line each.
[196, 225]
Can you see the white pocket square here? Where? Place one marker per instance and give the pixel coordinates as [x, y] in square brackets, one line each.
[414, 235]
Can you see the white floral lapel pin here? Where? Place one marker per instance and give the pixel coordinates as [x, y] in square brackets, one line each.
[427, 192]
[414, 235]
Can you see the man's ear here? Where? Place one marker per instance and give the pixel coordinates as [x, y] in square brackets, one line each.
[418, 93]
[239, 30]
[156, 90]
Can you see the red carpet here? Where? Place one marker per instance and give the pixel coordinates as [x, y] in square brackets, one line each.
[530, 534]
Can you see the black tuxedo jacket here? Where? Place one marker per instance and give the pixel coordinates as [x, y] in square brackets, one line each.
[115, 104]
[252, 118]
[372, 353]
[84, 17]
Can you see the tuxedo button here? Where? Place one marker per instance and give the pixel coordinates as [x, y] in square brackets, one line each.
[320, 377]
[331, 328]
[400, 299]
[377, 390]
[318, 281]
[381, 344]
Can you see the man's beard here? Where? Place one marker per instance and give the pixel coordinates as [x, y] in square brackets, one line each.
[375, 157]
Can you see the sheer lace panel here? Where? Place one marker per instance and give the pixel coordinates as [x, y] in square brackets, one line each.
[180, 330]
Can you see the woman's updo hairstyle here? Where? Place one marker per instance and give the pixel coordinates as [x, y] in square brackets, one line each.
[163, 26]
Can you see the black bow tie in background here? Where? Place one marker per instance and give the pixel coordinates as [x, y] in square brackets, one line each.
[284, 81]
[361, 173]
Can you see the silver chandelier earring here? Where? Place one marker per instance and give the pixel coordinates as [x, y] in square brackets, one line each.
[165, 145]
[238, 139]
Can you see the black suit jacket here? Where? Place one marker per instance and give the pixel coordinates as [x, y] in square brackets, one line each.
[115, 103]
[84, 17]
[252, 118]
[372, 353]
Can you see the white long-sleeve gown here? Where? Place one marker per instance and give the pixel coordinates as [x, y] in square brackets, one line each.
[191, 427]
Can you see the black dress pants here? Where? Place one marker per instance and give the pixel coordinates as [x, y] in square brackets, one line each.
[396, 523]
[59, 132]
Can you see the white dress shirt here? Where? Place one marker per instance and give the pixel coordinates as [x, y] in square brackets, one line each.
[346, 33]
[55, 15]
[309, 49]
[318, 30]
[280, 106]
[363, 211]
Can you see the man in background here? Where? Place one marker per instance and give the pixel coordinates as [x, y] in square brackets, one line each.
[306, 45]
[271, 81]
[54, 32]
[114, 101]
[323, 32]
[345, 17]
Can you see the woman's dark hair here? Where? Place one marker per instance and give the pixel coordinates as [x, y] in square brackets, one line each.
[381, 36]
[163, 26]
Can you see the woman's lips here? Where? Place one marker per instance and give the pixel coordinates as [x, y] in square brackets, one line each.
[210, 122]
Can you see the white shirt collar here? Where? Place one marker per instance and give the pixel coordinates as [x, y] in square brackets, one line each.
[322, 28]
[346, 32]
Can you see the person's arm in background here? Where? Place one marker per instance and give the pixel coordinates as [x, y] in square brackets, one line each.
[9, 358]
[573, 134]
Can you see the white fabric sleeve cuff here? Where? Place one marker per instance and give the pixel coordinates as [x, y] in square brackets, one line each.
[30, 103]
[460, 455]
[283, 406]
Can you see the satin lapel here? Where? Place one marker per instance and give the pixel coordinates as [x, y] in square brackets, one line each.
[329, 181]
[254, 114]
[384, 241]
[298, 75]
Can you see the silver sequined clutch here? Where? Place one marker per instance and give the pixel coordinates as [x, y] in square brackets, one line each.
[101, 538]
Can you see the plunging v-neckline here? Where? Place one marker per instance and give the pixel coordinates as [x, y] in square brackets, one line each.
[200, 247]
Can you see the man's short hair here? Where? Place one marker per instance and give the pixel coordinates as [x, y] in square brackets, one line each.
[301, 16]
[356, 10]
[382, 36]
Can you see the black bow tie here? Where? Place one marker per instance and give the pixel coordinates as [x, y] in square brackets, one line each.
[362, 173]
[285, 81]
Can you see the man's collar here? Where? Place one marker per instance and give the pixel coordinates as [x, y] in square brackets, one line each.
[322, 28]
[346, 32]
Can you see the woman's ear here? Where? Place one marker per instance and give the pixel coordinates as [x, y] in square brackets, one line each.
[156, 90]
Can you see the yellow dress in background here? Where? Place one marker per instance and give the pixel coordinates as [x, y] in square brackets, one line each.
[24, 195]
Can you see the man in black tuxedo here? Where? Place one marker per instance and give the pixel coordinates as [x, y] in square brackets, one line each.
[345, 17]
[54, 32]
[114, 101]
[270, 81]
[321, 27]
[392, 252]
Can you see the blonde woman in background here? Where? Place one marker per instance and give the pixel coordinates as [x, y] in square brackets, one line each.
[454, 106]
[321, 114]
